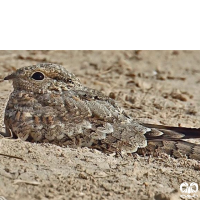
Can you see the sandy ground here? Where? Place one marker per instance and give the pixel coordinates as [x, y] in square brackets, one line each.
[153, 86]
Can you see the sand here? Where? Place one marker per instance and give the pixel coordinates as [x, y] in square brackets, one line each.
[152, 86]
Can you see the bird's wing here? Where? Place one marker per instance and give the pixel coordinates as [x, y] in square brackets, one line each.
[105, 121]
[90, 103]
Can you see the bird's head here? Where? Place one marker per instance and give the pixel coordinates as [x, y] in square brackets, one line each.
[43, 78]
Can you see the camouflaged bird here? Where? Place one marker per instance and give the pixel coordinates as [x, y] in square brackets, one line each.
[49, 104]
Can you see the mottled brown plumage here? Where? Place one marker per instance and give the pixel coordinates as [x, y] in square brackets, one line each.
[49, 104]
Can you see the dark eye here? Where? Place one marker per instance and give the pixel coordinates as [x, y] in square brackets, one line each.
[38, 76]
[69, 80]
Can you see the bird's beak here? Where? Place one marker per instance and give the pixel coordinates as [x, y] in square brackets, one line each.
[11, 76]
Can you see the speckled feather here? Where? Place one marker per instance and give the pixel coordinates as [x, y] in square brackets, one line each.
[49, 104]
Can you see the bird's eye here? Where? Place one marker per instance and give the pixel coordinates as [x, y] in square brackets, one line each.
[38, 76]
[69, 80]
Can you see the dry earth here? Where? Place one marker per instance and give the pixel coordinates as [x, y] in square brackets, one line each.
[153, 86]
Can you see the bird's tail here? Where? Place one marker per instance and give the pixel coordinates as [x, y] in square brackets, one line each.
[169, 140]
[160, 133]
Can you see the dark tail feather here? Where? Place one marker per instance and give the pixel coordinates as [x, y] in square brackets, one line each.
[167, 139]
[162, 133]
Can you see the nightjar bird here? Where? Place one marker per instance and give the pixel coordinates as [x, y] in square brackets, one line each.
[49, 104]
